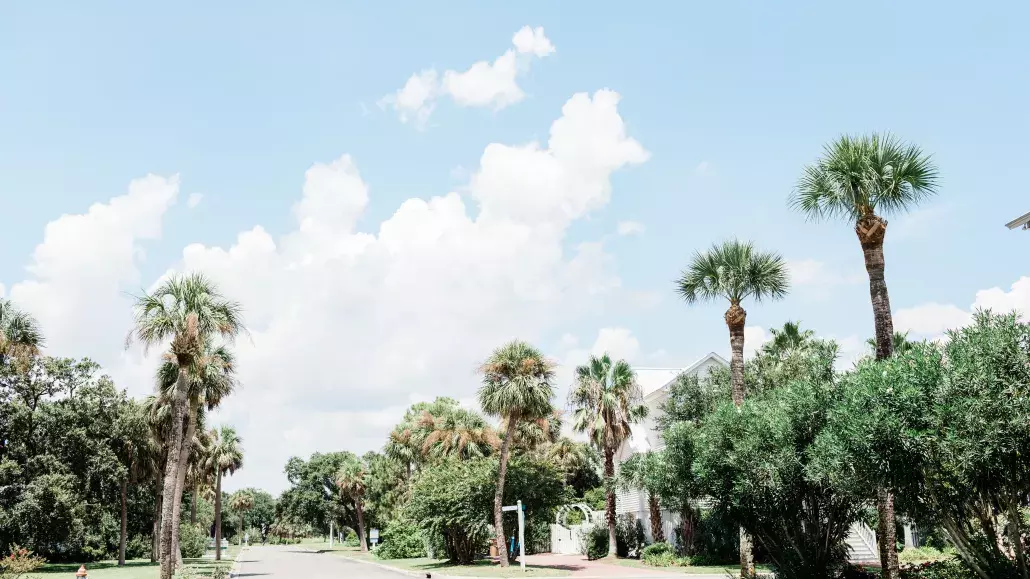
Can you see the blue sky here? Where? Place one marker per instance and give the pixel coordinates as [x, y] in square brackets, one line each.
[729, 99]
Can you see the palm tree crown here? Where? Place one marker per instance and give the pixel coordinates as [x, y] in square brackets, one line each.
[187, 309]
[225, 454]
[861, 176]
[787, 339]
[517, 383]
[607, 401]
[19, 332]
[734, 270]
[241, 501]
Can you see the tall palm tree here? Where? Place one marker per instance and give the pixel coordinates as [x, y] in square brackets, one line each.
[570, 457]
[517, 387]
[787, 339]
[734, 271]
[189, 311]
[241, 502]
[198, 471]
[858, 180]
[352, 480]
[606, 402]
[225, 457]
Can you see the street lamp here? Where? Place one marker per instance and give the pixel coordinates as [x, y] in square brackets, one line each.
[1020, 222]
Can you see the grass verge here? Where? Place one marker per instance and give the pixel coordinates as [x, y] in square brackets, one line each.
[135, 569]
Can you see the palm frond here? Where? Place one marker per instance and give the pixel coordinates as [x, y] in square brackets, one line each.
[733, 270]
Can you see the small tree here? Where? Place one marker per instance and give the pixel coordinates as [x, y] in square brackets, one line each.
[647, 472]
[241, 502]
[352, 480]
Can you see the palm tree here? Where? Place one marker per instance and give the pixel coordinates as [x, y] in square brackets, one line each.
[647, 472]
[607, 401]
[858, 179]
[198, 472]
[735, 271]
[459, 433]
[20, 336]
[517, 388]
[188, 310]
[225, 457]
[536, 435]
[899, 343]
[352, 480]
[787, 339]
[570, 457]
[241, 502]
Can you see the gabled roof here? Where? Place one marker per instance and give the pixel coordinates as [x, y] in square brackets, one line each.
[653, 380]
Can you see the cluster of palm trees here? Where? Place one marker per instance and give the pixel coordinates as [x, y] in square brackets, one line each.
[859, 179]
[188, 313]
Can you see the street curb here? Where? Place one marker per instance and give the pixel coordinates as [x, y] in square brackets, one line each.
[235, 571]
[410, 573]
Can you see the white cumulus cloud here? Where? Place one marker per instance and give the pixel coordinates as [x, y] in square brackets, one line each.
[931, 320]
[194, 199]
[483, 84]
[348, 325]
[630, 228]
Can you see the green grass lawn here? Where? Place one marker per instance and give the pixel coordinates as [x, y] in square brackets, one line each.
[692, 570]
[136, 569]
[479, 569]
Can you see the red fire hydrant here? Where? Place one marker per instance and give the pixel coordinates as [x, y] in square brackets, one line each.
[81, 572]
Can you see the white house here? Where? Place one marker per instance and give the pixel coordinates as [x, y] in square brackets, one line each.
[655, 384]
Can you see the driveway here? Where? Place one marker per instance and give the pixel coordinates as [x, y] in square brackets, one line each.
[292, 562]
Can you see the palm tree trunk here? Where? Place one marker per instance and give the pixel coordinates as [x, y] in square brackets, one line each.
[502, 547]
[735, 318]
[609, 500]
[125, 524]
[155, 538]
[241, 528]
[657, 533]
[687, 527]
[361, 524]
[170, 532]
[871, 231]
[218, 516]
[193, 504]
[180, 486]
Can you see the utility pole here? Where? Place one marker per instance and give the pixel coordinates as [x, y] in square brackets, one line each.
[330, 534]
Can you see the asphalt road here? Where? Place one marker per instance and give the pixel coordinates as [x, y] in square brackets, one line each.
[294, 563]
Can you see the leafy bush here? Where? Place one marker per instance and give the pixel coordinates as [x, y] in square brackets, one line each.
[716, 540]
[192, 541]
[138, 547]
[922, 555]
[20, 562]
[595, 498]
[401, 540]
[351, 539]
[659, 555]
[628, 539]
[945, 569]
[220, 572]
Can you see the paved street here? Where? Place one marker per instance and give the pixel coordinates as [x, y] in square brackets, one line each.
[294, 563]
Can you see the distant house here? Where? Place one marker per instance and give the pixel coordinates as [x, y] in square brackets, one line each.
[655, 383]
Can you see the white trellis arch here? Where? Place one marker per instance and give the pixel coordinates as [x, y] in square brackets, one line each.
[567, 539]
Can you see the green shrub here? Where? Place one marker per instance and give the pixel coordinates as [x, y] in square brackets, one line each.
[659, 555]
[138, 547]
[628, 539]
[351, 539]
[595, 498]
[944, 569]
[922, 555]
[401, 540]
[192, 541]
[220, 572]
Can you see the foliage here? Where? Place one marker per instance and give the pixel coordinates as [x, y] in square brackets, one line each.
[192, 540]
[659, 554]
[595, 498]
[578, 463]
[401, 539]
[137, 547]
[755, 462]
[733, 270]
[944, 569]
[716, 540]
[628, 539]
[351, 539]
[862, 175]
[454, 500]
[19, 562]
[943, 427]
[314, 497]
[517, 383]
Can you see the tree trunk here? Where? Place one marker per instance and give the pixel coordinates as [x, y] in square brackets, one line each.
[361, 524]
[735, 318]
[871, 231]
[241, 527]
[218, 516]
[193, 505]
[609, 500]
[687, 528]
[502, 546]
[657, 533]
[184, 457]
[125, 524]
[155, 538]
[169, 532]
